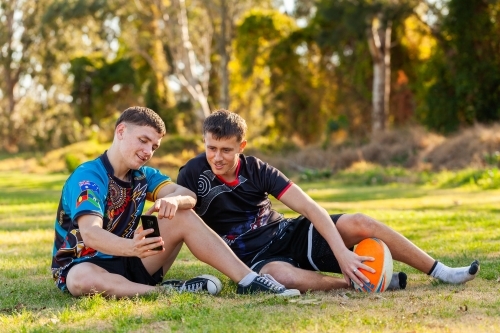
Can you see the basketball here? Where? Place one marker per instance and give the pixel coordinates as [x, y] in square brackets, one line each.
[379, 281]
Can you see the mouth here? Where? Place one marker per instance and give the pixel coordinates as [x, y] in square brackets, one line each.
[143, 159]
[218, 166]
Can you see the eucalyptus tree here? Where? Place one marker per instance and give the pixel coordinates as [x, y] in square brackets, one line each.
[342, 25]
[194, 40]
[463, 75]
[21, 49]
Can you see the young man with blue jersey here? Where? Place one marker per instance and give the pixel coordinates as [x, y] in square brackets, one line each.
[233, 199]
[99, 246]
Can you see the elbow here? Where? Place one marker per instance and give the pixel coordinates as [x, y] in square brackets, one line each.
[88, 239]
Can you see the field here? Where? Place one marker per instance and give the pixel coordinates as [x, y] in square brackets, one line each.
[454, 225]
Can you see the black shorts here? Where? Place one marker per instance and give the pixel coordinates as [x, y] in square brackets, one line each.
[131, 268]
[301, 246]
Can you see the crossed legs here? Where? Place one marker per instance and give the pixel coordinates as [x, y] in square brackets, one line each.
[186, 227]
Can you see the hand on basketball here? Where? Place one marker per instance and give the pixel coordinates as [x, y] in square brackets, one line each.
[143, 246]
[166, 207]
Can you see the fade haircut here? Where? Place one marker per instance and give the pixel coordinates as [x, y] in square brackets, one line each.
[223, 124]
[141, 116]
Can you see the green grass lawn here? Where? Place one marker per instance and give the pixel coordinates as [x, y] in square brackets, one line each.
[453, 225]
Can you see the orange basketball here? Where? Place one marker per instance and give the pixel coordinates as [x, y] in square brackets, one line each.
[379, 281]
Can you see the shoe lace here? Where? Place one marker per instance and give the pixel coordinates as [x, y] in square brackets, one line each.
[269, 281]
[192, 286]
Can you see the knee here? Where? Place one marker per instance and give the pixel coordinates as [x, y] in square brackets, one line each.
[365, 225]
[183, 219]
[80, 283]
[182, 215]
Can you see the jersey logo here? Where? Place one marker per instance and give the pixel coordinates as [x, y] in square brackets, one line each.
[208, 193]
[88, 193]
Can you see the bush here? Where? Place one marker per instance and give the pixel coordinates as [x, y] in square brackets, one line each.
[72, 161]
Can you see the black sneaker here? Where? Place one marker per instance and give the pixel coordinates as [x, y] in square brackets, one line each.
[201, 283]
[267, 284]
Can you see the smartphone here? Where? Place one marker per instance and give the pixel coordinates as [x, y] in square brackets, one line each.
[151, 222]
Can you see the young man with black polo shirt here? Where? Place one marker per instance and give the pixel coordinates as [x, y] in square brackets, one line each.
[232, 198]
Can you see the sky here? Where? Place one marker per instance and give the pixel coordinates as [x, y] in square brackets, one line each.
[289, 5]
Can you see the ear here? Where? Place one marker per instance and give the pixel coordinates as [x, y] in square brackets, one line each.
[243, 144]
[120, 129]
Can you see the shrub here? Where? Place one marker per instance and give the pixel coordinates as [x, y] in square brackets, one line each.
[72, 161]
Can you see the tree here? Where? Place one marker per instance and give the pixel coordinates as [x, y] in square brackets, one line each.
[463, 74]
[342, 24]
[21, 46]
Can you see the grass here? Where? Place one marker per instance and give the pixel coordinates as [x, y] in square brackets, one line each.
[455, 225]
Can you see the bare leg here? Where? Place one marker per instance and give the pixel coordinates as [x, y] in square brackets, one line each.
[202, 241]
[301, 279]
[353, 228]
[87, 278]
[187, 227]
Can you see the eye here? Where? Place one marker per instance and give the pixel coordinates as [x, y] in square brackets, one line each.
[142, 140]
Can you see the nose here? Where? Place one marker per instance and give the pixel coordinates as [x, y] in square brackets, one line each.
[218, 155]
[148, 151]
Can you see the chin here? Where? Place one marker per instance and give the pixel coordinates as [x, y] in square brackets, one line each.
[217, 172]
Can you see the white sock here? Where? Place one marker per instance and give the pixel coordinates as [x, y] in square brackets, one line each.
[455, 275]
[248, 279]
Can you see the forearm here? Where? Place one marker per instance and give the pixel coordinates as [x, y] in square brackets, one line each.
[104, 241]
[185, 201]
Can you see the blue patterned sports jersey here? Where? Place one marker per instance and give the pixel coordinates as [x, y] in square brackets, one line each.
[92, 189]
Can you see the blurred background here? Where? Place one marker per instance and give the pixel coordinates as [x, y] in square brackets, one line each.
[323, 84]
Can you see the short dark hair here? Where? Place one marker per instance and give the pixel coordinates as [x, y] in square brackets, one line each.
[142, 116]
[224, 124]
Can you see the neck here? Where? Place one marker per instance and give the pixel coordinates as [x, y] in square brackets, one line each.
[119, 170]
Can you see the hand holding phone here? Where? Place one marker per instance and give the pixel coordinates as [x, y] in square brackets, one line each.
[151, 222]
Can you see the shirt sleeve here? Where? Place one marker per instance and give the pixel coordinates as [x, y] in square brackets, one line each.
[156, 180]
[85, 193]
[187, 177]
[273, 180]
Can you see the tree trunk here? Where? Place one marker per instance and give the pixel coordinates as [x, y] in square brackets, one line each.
[11, 81]
[379, 41]
[224, 41]
[188, 77]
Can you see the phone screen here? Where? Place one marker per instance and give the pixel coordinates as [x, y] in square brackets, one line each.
[151, 222]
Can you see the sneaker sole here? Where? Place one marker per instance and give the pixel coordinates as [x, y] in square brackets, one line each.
[289, 293]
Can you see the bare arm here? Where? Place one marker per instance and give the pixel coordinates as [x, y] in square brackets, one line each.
[170, 198]
[94, 236]
[300, 202]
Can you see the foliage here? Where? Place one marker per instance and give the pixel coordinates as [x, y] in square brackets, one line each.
[344, 31]
[72, 162]
[97, 82]
[463, 79]
[303, 77]
[483, 179]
